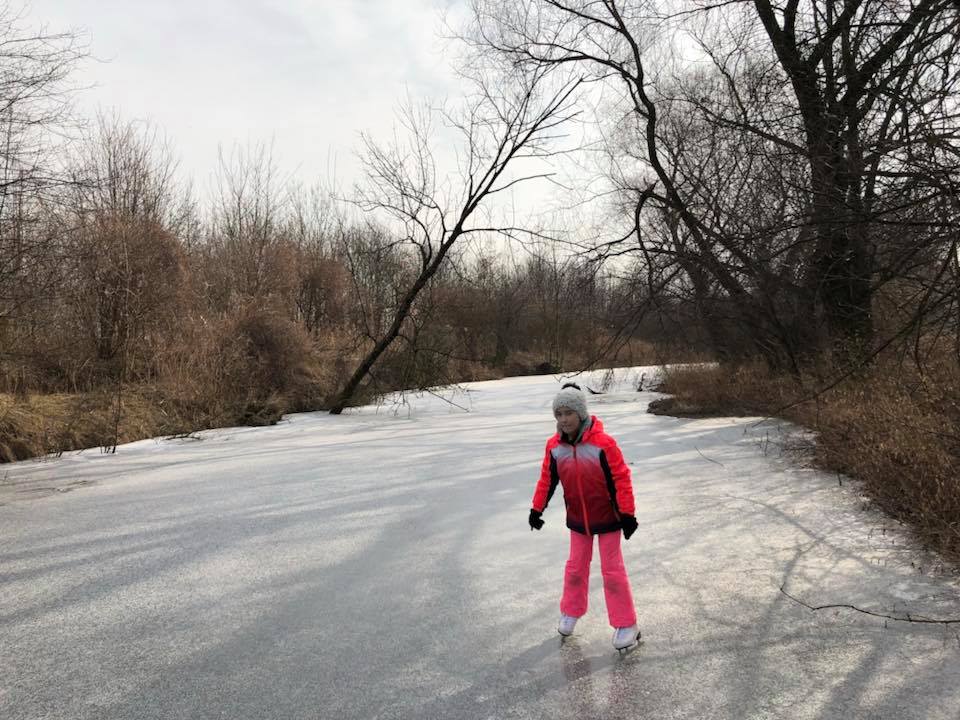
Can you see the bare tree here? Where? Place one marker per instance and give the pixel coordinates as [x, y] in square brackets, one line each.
[128, 169]
[858, 92]
[499, 130]
[36, 122]
[251, 256]
[857, 71]
[123, 263]
[314, 227]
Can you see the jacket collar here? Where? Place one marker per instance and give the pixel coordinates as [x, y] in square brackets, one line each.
[588, 429]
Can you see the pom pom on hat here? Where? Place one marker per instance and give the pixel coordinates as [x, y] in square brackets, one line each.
[571, 397]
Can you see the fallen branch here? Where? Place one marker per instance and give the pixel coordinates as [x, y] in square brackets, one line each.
[446, 400]
[717, 462]
[905, 618]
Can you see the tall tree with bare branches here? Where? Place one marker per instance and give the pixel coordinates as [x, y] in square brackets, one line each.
[859, 95]
[505, 124]
[36, 122]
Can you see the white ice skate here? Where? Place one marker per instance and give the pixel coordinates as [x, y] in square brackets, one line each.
[566, 625]
[626, 637]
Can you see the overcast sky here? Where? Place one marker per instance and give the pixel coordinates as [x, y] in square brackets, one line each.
[307, 75]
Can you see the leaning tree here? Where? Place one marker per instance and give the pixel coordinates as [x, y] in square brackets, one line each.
[507, 124]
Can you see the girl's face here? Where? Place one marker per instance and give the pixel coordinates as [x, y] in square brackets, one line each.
[568, 420]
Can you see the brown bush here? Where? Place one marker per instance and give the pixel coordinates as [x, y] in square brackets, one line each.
[250, 368]
[125, 286]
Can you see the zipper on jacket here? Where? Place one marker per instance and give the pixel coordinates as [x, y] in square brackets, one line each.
[583, 502]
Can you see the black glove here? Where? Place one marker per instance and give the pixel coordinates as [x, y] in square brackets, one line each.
[629, 525]
[535, 522]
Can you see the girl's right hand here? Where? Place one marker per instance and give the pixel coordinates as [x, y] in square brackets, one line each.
[535, 522]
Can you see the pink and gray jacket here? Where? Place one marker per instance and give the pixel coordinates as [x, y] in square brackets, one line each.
[596, 481]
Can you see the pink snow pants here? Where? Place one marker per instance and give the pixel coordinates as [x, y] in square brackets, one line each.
[616, 585]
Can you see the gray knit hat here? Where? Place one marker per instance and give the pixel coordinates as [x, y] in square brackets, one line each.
[571, 397]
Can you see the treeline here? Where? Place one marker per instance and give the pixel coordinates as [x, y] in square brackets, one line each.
[131, 305]
[128, 308]
[120, 286]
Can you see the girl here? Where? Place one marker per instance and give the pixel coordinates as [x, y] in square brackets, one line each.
[599, 497]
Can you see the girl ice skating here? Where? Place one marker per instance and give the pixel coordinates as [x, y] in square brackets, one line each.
[598, 494]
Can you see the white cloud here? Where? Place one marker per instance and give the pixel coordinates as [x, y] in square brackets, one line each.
[307, 75]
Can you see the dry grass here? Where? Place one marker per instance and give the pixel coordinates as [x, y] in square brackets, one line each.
[250, 368]
[43, 424]
[895, 428]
